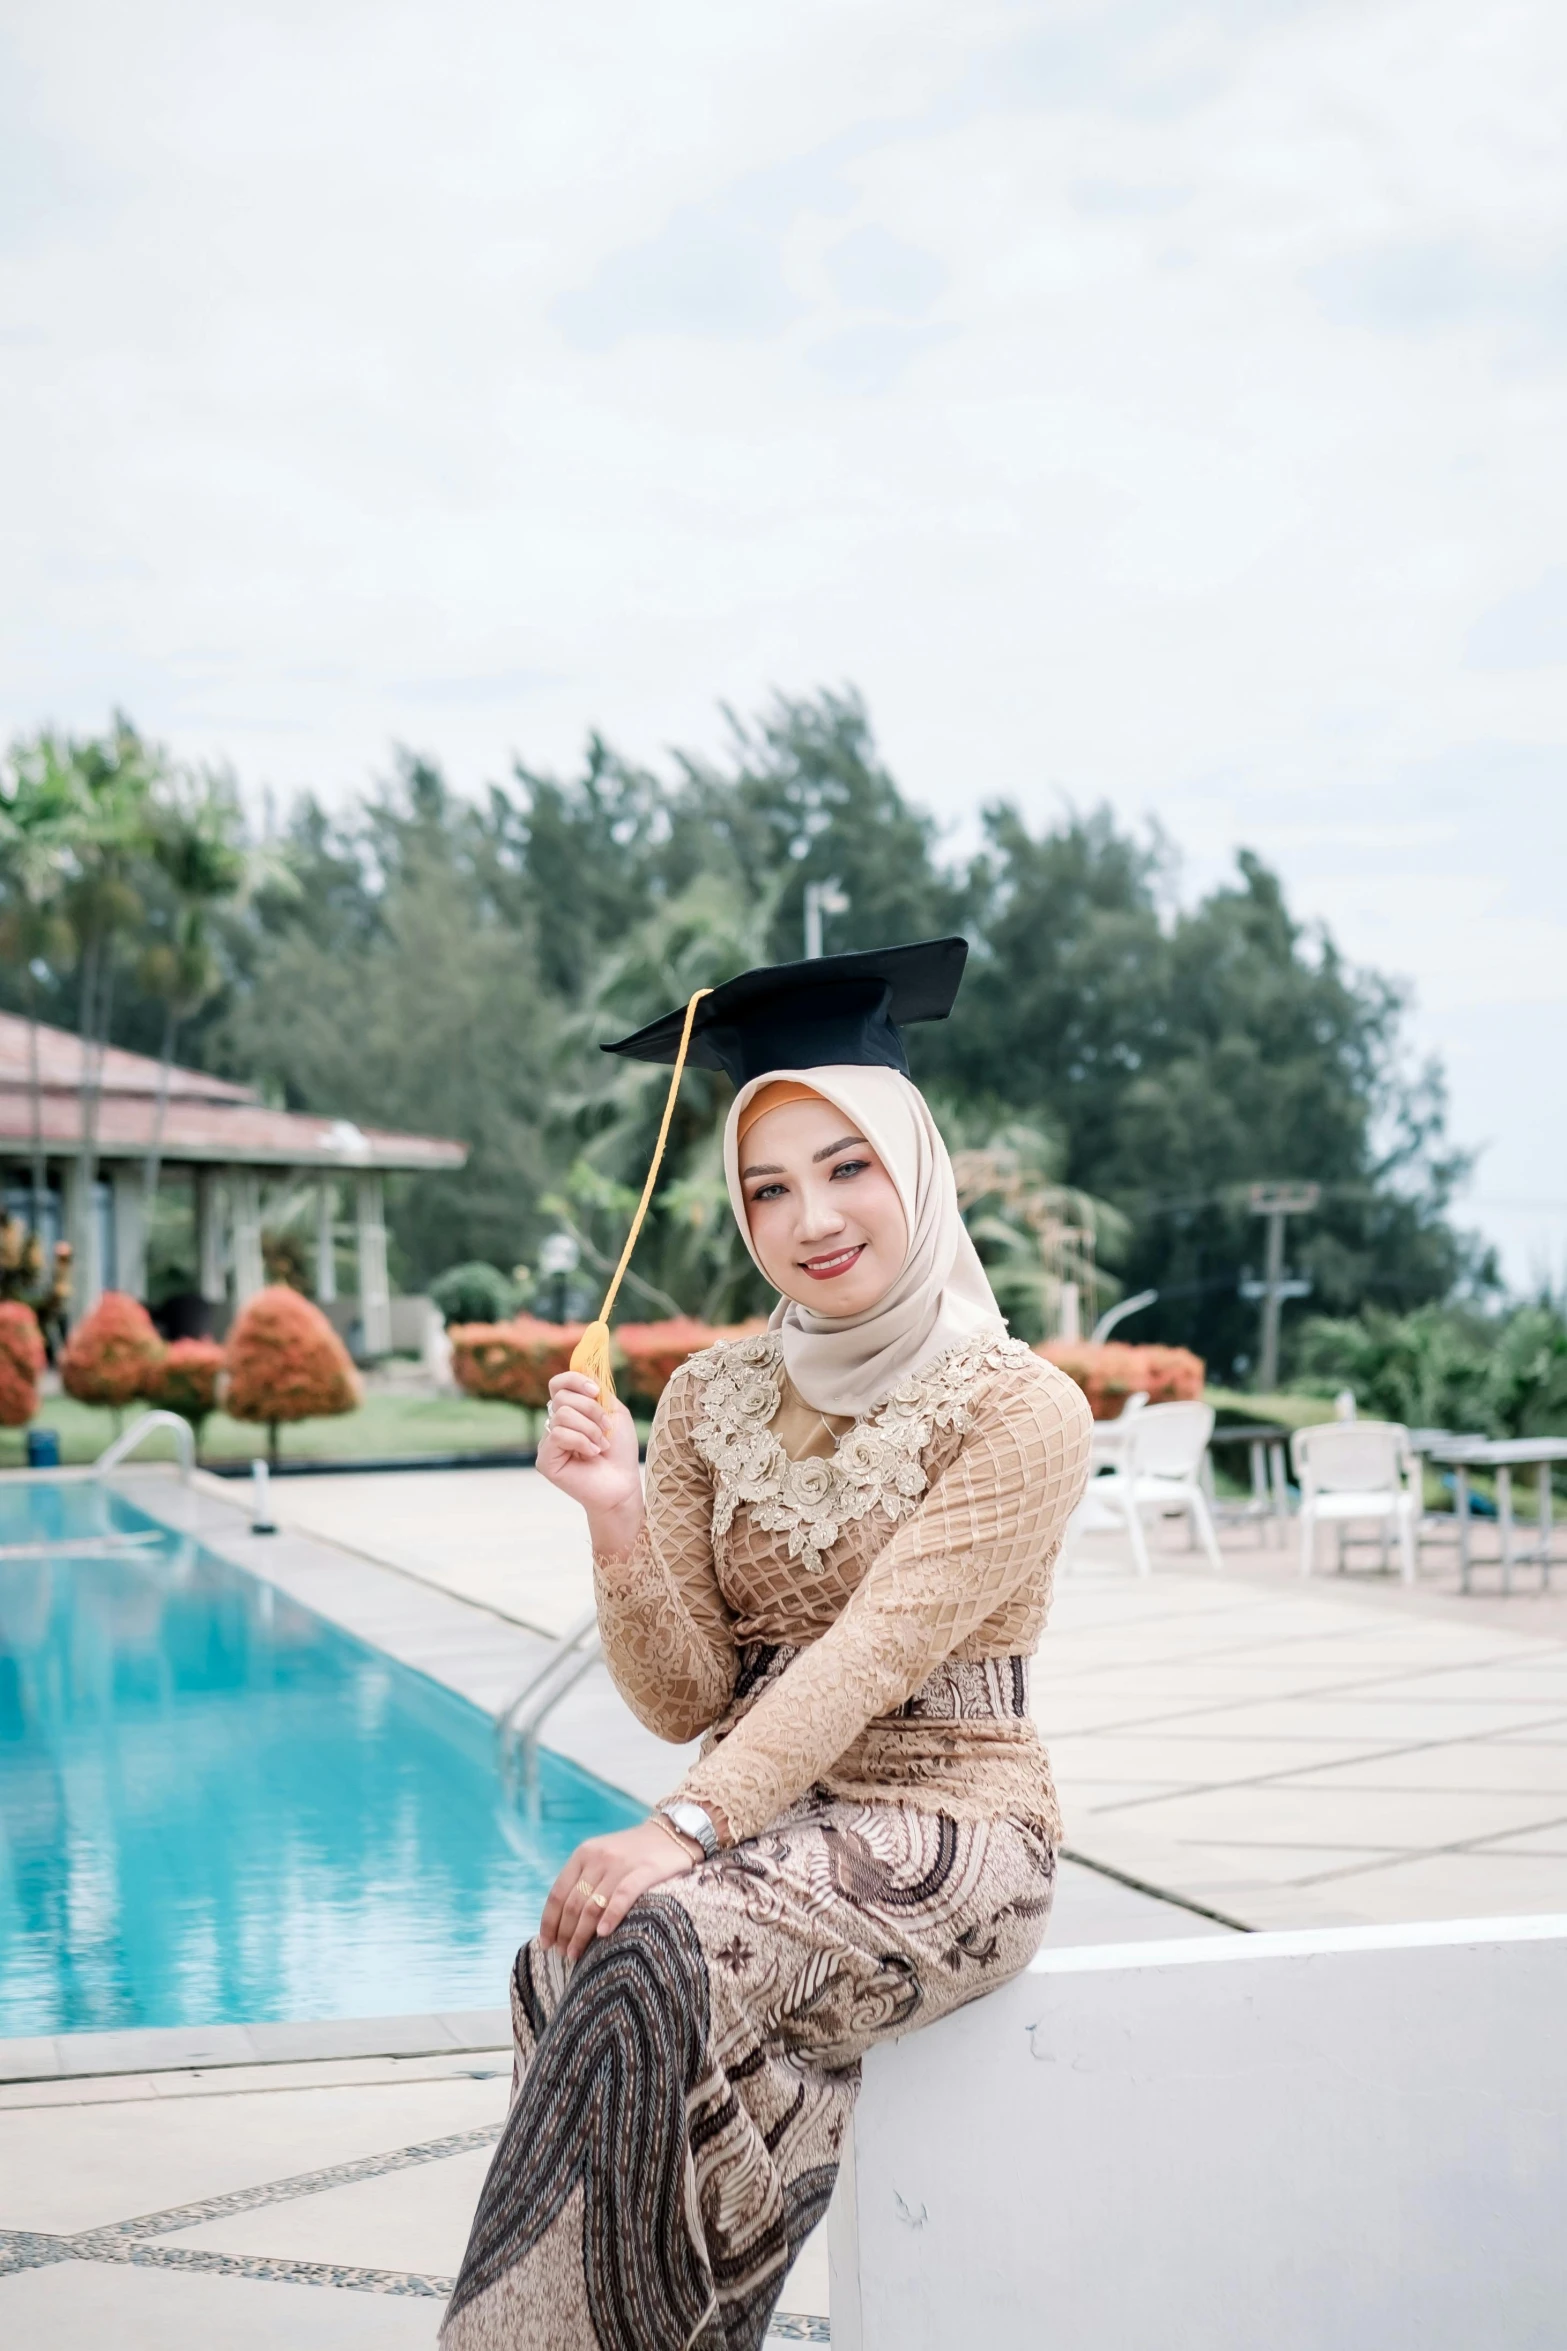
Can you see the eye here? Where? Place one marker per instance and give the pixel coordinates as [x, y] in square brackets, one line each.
[849, 1167]
[768, 1192]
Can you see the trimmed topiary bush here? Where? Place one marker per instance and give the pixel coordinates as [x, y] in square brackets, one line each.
[1111, 1372]
[185, 1380]
[474, 1292]
[112, 1353]
[21, 1363]
[285, 1362]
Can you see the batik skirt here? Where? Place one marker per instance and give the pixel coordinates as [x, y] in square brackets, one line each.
[681, 2094]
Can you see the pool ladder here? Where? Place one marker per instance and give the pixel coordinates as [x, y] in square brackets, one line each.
[127, 1441]
[517, 1732]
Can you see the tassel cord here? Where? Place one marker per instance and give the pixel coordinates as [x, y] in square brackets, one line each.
[591, 1353]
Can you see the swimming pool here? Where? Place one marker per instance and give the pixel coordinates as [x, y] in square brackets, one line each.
[217, 1808]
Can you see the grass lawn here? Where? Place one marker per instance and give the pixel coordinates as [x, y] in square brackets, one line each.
[383, 1425]
[1290, 1412]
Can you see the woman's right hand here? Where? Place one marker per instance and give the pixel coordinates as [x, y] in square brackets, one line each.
[591, 1454]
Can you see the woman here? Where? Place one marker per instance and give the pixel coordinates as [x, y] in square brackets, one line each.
[840, 1567]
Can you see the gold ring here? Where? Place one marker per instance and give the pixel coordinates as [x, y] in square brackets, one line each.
[601, 1901]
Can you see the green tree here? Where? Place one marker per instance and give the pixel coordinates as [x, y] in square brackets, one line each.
[195, 841]
[36, 804]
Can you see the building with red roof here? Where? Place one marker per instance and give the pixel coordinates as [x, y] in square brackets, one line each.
[238, 1155]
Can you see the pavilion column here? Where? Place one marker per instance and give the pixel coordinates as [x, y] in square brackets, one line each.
[249, 1272]
[375, 1290]
[210, 1205]
[326, 1245]
[81, 1230]
[129, 1194]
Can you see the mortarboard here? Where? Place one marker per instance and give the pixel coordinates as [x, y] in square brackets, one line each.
[836, 1008]
[830, 1010]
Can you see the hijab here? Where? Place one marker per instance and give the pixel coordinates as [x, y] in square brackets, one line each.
[848, 1364]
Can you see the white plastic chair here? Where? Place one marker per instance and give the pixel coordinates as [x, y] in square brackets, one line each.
[1109, 1436]
[1355, 1470]
[1157, 1467]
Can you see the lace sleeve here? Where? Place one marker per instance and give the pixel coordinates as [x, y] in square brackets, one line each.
[665, 1629]
[989, 1524]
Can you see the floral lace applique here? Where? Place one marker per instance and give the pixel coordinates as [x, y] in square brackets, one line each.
[876, 1466]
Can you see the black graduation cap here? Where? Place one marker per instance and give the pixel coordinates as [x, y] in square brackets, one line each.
[835, 1008]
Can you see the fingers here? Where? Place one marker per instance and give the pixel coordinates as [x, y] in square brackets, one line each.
[584, 1422]
[560, 1911]
[575, 1442]
[577, 1420]
[635, 1882]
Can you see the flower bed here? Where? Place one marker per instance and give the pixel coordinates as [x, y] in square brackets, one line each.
[1109, 1373]
[512, 1362]
[650, 1353]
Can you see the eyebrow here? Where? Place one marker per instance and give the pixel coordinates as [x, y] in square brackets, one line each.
[828, 1151]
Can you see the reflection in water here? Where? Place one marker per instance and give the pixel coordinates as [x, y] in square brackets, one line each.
[215, 1807]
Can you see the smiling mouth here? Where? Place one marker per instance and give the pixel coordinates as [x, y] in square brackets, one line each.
[826, 1269]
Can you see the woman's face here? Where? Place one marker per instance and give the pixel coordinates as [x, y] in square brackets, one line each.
[824, 1216]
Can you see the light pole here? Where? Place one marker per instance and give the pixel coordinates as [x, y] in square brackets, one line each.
[821, 898]
[1276, 1202]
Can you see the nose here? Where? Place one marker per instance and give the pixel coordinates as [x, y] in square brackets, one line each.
[820, 1215]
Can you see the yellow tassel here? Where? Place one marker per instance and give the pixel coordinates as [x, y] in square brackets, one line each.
[591, 1353]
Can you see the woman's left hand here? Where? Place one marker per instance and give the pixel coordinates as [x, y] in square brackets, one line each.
[620, 1867]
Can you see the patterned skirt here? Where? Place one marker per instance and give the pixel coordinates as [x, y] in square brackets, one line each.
[681, 2094]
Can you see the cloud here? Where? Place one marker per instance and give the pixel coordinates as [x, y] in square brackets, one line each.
[1420, 288]
[1525, 631]
[874, 270]
[502, 685]
[870, 358]
[714, 269]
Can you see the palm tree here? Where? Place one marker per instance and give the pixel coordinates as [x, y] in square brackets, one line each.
[1043, 1238]
[195, 843]
[35, 811]
[111, 780]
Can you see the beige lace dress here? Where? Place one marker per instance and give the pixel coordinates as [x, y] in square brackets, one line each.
[845, 1611]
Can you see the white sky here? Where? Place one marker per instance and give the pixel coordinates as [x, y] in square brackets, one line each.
[1159, 400]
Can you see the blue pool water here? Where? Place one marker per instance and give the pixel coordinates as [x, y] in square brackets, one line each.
[215, 1807]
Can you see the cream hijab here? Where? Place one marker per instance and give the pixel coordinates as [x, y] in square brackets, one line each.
[849, 1364]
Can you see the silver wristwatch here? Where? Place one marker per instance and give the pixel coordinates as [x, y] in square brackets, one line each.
[693, 1822]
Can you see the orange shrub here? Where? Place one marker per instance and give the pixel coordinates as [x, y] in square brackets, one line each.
[652, 1352]
[112, 1352]
[21, 1361]
[287, 1363]
[185, 1380]
[512, 1362]
[1108, 1374]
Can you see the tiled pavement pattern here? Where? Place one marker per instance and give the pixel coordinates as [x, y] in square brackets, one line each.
[1337, 1752]
[388, 2224]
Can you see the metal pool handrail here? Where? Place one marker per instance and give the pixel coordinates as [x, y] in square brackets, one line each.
[127, 1441]
[572, 1656]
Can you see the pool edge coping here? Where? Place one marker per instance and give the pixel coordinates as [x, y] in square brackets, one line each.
[58, 2057]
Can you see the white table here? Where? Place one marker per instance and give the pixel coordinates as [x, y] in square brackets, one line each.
[1504, 1455]
[1268, 1447]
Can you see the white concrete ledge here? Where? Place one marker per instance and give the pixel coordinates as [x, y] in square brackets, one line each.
[1340, 2140]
